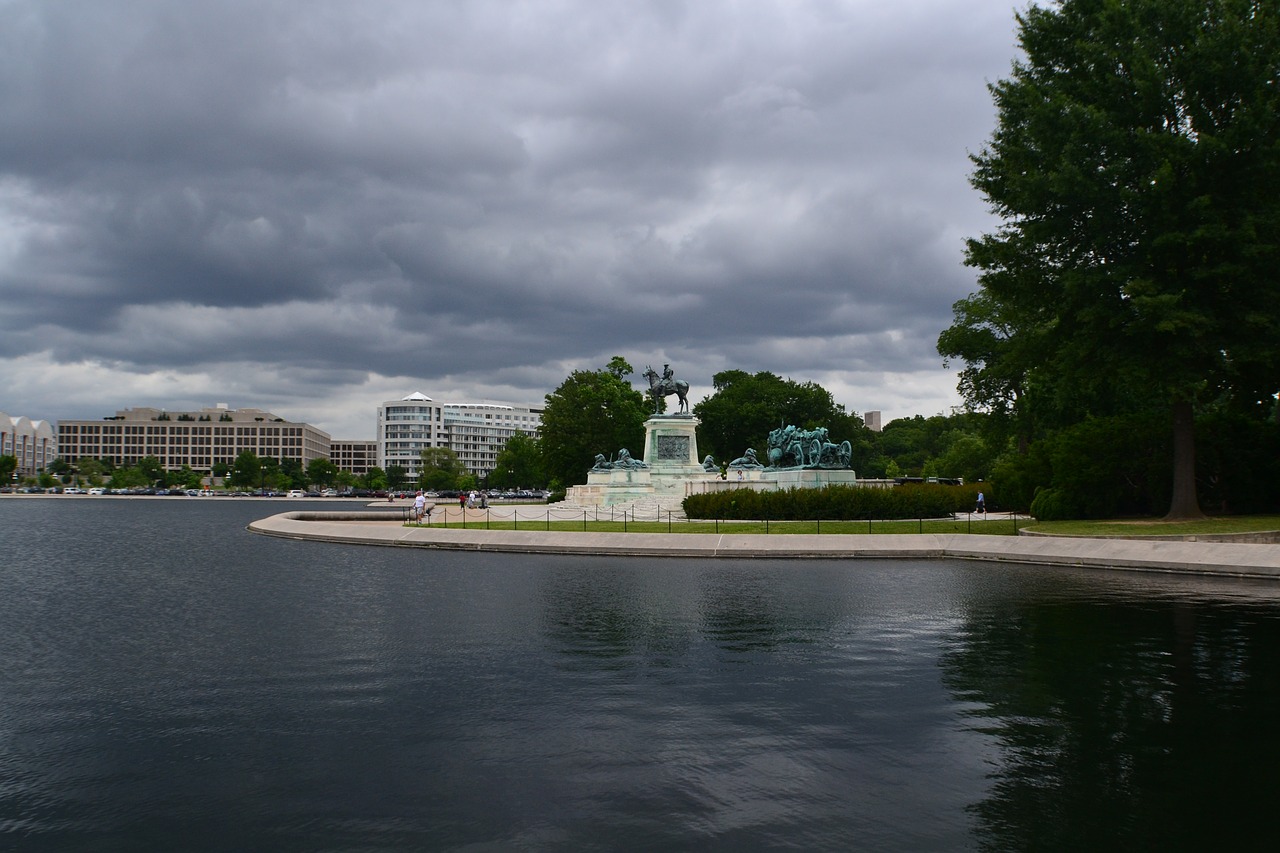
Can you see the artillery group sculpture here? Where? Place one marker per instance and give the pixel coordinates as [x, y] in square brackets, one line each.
[792, 447]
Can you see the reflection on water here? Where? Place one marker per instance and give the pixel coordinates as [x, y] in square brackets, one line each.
[173, 682]
[1126, 722]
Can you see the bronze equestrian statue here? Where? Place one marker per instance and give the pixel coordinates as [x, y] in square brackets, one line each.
[665, 386]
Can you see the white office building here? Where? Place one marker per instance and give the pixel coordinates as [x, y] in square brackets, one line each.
[476, 432]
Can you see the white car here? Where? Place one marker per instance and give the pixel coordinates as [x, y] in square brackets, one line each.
[97, 490]
[296, 493]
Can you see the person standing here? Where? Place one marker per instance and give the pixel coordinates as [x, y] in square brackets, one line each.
[419, 506]
[982, 504]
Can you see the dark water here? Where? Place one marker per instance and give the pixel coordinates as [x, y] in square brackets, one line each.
[169, 681]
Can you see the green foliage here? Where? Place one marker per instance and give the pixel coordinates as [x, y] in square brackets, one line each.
[1135, 166]
[591, 412]
[926, 500]
[1056, 505]
[519, 464]
[128, 478]
[8, 465]
[89, 470]
[1108, 467]
[1015, 477]
[396, 476]
[1239, 460]
[292, 474]
[441, 469]
[246, 471]
[744, 408]
[375, 478]
[321, 472]
[153, 471]
[619, 367]
[185, 477]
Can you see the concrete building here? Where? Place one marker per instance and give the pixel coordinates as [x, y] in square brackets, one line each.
[354, 456]
[33, 443]
[474, 431]
[200, 439]
[872, 420]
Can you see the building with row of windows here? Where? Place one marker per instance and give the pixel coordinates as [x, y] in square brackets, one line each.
[199, 439]
[353, 455]
[33, 443]
[476, 432]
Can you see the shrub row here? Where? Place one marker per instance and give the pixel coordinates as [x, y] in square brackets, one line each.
[911, 500]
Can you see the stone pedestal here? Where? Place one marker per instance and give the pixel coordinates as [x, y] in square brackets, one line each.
[671, 453]
[675, 471]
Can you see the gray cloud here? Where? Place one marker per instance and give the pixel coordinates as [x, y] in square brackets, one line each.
[295, 204]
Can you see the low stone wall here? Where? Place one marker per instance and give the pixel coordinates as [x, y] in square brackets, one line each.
[1264, 537]
[400, 514]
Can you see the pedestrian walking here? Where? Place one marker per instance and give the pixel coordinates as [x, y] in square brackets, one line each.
[982, 504]
[419, 506]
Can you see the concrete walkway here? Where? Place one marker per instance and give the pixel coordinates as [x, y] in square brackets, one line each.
[387, 528]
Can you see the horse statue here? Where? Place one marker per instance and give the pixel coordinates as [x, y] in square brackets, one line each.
[664, 386]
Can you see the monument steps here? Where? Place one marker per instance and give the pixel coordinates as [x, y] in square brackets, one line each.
[641, 509]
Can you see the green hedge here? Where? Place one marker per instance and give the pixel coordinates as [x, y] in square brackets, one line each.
[910, 500]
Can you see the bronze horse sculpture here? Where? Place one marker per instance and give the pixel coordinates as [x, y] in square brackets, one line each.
[665, 386]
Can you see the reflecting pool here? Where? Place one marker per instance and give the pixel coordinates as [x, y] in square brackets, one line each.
[171, 681]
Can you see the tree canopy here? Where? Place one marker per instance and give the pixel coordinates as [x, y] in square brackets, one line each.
[744, 407]
[441, 469]
[519, 464]
[1136, 168]
[593, 411]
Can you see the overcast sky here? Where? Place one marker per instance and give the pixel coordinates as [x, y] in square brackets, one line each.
[312, 207]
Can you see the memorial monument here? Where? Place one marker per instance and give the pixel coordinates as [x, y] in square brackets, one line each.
[670, 469]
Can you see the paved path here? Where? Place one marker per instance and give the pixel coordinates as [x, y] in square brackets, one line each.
[387, 528]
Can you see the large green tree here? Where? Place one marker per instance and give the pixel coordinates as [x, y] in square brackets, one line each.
[519, 464]
[743, 408]
[441, 469]
[321, 472]
[246, 471]
[593, 411]
[1136, 168]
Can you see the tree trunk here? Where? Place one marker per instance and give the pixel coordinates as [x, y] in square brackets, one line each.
[1185, 504]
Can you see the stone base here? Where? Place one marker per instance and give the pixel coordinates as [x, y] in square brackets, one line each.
[674, 472]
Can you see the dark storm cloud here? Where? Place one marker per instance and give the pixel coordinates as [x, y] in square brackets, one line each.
[294, 195]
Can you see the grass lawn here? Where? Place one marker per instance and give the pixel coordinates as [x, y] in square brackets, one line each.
[1157, 527]
[1002, 527]
[994, 527]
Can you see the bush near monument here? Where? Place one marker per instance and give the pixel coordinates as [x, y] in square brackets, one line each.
[837, 503]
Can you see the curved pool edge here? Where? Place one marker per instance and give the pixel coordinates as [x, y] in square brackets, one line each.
[1223, 559]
